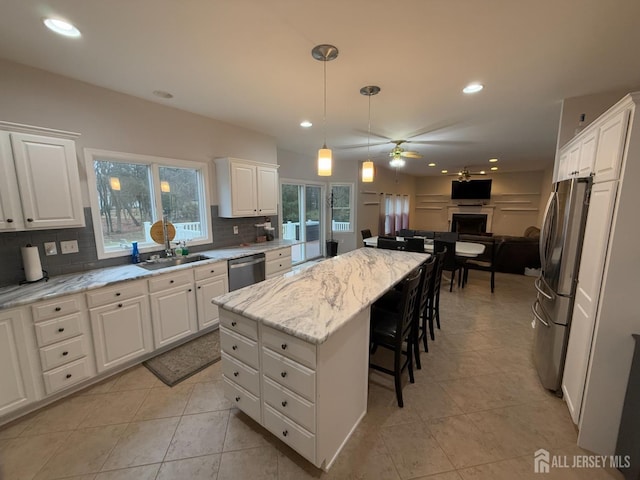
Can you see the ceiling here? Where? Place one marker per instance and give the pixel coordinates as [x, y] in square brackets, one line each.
[249, 63]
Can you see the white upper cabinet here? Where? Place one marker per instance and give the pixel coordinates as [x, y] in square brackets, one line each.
[245, 188]
[587, 158]
[39, 181]
[577, 158]
[610, 145]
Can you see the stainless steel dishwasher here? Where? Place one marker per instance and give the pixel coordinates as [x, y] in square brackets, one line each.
[245, 271]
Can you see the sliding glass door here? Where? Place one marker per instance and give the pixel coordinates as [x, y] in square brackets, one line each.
[302, 219]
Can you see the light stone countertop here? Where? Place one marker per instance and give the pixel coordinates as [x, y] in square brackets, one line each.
[17, 295]
[315, 302]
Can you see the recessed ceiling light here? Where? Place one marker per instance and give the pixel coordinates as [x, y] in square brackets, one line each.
[432, 164]
[482, 172]
[473, 88]
[445, 171]
[162, 94]
[493, 160]
[61, 27]
[494, 168]
[306, 124]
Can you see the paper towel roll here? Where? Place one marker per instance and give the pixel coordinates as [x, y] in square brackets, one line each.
[31, 262]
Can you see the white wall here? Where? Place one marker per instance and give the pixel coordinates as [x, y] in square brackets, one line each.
[518, 198]
[113, 121]
[294, 166]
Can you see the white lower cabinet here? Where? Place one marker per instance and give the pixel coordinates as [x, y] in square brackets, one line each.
[173, 309]
[211, 281]
[277, 262]
[121, 332]
[17, 388]
[311, 397]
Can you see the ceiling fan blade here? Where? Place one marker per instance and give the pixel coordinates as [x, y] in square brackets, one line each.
[444, 143]
[360, 145]
[373, 134]
[410, 155]
[431, 128]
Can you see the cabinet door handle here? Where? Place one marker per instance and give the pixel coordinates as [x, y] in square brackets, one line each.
[119, 305]
[61, 329]
[69, 375]
[65, 353]
[283, 374]
[199, 287]
[283, 346]
[9, 220]
[117, 294]
[213, 271]
[233, 324]
[171, 281]
[190, 290]
[237, 398]
[235, 347]
[285, 433]
[235, 374]
[58, 309]
[29, 219]
[284, 403]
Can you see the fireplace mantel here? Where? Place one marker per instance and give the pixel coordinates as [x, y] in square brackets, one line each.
[484, 209]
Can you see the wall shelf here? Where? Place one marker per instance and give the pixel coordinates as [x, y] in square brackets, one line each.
[517, 209]
[515, 194]
[432, 195]
[368, 192]
[511, 201]
[433, 201]
[372, 203]
[429, 208]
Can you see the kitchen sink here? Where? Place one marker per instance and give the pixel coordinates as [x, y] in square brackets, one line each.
[171, 262]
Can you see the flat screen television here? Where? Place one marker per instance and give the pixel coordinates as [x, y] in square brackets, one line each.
[471, 190]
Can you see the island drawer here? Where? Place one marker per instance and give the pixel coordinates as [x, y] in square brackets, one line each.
[65, 376]
[242, 348]
[172, 280]
[242, 399]
[290, 433]
[241, 374]
[290, 346]
[62, 352]
[279, 253]
[53, 331]
[56, 308]
[289, 374]
[210, 270]
[238, 324]
[122, 291]
[289, 404]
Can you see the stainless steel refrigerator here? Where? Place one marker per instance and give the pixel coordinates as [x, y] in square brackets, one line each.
[560, 250]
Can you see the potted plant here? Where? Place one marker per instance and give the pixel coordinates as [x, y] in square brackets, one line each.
[332, 245]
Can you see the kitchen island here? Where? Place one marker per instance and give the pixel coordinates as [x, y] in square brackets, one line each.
[295, 349]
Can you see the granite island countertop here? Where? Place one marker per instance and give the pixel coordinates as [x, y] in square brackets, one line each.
[17, 295]
[313, 303]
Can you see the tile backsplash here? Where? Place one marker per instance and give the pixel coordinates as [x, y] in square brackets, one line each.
[11, 271]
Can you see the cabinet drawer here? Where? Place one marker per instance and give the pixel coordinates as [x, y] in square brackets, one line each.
[278, 265]
[242, 399]
[62, 352]
[211, 270]
[65, 376]
[290, 404]
[289, 346]
[238, 324]
[290, 433]
[241, 374]
[53, 331]
[123, 291]
[279, 253]
[289, 374]
[242, 348]
[171, 280]
[56, 308]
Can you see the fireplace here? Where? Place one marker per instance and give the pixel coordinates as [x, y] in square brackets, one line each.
[470, 223]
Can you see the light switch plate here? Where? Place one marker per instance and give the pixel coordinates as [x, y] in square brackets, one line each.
[50, 248]
[70, 246]
[235, 230]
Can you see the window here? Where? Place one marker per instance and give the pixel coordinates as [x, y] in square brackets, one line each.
[394, 214]
[130, 192]
[342, 212]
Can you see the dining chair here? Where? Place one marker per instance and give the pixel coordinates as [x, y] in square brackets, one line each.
[406, 233]
[415, 244]
[391, 244]
[433, 307]
[446, 236]
[484, 261]
[390, 330]
[450, 263]
[366, 233]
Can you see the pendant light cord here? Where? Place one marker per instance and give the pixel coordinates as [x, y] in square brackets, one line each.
[324, 115]
[369, 131]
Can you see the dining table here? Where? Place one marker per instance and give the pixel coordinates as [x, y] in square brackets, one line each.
[463, 249]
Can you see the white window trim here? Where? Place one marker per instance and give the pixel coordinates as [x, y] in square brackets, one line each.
[154, 162]
[351, 205]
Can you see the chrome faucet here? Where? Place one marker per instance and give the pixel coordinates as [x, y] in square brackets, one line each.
[167, 243]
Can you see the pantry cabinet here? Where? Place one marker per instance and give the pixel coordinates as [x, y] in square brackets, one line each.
[245, 188]
[39, 180]
[17, 387]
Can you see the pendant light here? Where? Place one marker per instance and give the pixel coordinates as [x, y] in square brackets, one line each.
[367, 166]
[324, 53]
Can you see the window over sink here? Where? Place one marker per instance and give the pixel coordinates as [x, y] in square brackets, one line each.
[129, 192]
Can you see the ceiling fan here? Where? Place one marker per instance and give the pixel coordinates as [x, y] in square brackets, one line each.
[398, 154]
[465, 174]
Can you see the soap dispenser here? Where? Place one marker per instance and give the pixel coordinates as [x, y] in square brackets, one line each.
[135, 254]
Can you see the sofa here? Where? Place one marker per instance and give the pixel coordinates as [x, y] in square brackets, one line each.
[513, 253]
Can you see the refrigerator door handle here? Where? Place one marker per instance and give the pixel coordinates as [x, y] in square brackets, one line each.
[539, 289]
[544, 235]
[535, 314]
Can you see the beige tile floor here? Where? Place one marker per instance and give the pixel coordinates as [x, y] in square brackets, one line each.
[476, 411]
